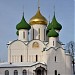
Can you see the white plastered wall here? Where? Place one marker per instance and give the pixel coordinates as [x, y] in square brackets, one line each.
[60, 63]
[69, 70]
[33, 51]
[15, 50]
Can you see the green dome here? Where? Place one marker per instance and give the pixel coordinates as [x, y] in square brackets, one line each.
[23, 24]
[17, 32]
[54, 24]
[49, 27]
[52, 33]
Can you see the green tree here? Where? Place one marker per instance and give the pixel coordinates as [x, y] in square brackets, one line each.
[70, 47]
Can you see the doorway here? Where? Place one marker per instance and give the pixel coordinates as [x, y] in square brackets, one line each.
[40, 71]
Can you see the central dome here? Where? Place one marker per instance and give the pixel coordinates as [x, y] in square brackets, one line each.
[38, 19]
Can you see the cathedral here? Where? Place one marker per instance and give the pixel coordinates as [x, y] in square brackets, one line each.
[37, 50]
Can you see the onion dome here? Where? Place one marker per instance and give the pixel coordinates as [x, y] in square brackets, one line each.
[49, 26]
[23, 24]
[54, 24]
[17, 32]
[52, 33]
[38, 19]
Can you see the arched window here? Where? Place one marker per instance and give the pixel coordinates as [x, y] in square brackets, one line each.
[15, 72]
[24, 72]
[6, 72]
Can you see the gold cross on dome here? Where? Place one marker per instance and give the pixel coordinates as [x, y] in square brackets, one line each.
[38, 4]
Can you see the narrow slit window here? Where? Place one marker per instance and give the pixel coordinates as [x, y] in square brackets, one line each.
[21, 58]
[39, 33]
[23, 34]
[33, 34]
[36, 58]
[44, 34]
[55, 72]
[55, 59]
[53, 43]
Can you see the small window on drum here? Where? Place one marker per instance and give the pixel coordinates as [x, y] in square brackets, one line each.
[23, 34]
[21, 58]
[44, 34]
[33, 34]
[39, 33]
[53, 43]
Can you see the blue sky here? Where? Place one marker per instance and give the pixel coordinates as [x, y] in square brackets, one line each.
[11, 12]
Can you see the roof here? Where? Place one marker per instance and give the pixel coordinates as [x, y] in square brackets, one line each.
[54, 24]
[38, 18]
[52, 33]
[21, 64]
[23, 24]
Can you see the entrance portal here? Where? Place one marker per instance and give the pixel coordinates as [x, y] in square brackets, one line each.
[40, 71]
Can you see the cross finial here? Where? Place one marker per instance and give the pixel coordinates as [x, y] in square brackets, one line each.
[54, 5]
[54, 9]
[38, 4]
[23, 9]
[49, 18]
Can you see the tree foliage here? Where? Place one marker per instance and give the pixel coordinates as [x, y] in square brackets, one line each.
[70, 47]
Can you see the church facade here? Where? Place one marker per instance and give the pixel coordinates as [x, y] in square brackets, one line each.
[43, 54]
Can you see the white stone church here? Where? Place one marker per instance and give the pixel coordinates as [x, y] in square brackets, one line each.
[38, 50]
